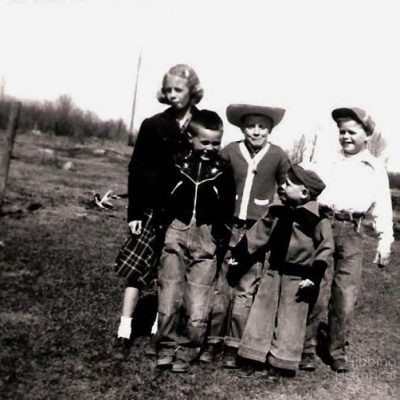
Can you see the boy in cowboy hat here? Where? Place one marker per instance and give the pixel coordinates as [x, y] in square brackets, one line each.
[258, 167]
[300, 245]
[356, 183]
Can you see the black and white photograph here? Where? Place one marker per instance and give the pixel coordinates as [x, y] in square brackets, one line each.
[199, 200]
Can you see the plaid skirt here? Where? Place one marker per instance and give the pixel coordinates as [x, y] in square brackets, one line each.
[138, 257]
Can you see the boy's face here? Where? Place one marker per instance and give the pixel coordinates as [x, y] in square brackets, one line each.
[352, 136]
[177, 91]
[256, 129]
[292, 193]
[206, 142]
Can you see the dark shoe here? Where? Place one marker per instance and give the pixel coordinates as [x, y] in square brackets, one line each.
[122, 348]
[340, 366]
[276, 374]
[252, 370]
[307, 362]
[209, 353]
[229, 358]
[180, 366]
[164, 361]
[151, 348]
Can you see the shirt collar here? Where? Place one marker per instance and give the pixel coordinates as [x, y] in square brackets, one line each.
[311, 206]
[363, 156]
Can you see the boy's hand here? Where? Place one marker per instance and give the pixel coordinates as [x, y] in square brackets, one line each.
[232, 261]
[307, 291]
[382, 259]
[135, 227]
[306, 284]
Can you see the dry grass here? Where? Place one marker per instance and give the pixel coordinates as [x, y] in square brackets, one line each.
[60, 302]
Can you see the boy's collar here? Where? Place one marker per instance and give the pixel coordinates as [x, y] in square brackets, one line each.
[311, 206]
[363, 156]
[251, 149]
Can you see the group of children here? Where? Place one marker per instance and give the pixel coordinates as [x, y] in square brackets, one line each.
[239, 269]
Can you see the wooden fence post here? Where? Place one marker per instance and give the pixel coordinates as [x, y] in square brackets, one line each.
[6, 156]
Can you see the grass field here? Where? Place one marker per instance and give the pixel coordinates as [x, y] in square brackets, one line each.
[60, 300]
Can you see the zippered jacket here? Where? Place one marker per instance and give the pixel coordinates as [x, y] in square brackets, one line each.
[203, 190]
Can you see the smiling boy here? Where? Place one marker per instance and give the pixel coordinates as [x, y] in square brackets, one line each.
[258, 167]
[356, 184]
[200, 204]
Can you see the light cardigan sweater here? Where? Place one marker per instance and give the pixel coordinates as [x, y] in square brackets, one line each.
[256, 177]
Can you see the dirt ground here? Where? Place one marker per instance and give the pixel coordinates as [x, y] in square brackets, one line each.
[60, 299]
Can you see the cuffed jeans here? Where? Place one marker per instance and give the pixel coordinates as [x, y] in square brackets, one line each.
[343, 282]
[220, 306]
[243, 291]
[277, 322]
[185, 281]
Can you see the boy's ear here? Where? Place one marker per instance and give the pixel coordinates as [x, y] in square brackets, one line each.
[190, 136]
[305, 193]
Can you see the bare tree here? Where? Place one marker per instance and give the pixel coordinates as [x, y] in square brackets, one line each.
[296, 153]
[377, 144]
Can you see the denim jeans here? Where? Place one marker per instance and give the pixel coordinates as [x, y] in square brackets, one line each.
[243, 289]
[277, 322]
[185, 281]
[220, 305]
[340, 286]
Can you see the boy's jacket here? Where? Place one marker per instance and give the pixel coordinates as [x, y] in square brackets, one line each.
[300, 240]
[202, 190]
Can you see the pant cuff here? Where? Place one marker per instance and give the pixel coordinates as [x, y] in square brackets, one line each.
[282, 364]
[232, 342]
[215, 340]
[252, 354]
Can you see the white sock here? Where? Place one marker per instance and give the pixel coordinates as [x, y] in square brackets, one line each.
[125, 329]
[155, 326]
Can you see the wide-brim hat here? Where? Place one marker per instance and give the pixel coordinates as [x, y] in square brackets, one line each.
[236, 112]
[358, 114]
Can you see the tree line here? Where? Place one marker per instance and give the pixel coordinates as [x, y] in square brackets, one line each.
[62, 118]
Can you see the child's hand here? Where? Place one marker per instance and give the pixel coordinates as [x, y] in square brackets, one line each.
[135, 227]
[232, 261]
[306, 284]
[307, 291]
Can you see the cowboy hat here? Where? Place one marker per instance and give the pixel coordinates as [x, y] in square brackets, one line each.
[235, 113]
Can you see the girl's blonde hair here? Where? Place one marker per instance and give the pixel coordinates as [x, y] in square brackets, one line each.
[186, 72]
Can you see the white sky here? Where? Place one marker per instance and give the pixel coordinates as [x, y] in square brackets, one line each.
[307, 56]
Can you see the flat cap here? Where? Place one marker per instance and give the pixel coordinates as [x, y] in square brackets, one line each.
[358, 114]
[308, 178]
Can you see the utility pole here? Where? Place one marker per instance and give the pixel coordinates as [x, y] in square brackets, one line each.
[6, 156]
[135, 93]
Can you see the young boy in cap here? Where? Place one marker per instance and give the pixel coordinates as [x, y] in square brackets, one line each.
[258, 167]
[201, 202]
[300, 244]
[357, 183]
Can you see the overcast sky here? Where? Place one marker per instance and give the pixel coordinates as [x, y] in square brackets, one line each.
[306, 56]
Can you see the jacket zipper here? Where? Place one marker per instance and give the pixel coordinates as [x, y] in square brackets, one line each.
[195, 194]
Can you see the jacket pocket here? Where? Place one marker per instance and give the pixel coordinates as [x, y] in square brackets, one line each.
[260, 202]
